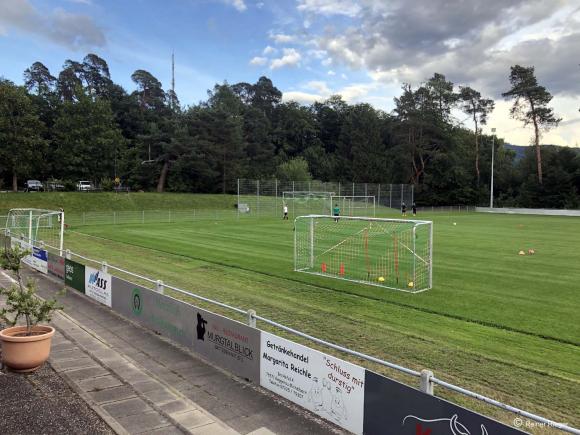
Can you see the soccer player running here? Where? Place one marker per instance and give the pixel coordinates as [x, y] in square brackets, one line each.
[336, 212]
[404, 208]
[414, 209]
[285, 217]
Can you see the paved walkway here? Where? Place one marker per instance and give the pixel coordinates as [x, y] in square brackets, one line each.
[140, 383]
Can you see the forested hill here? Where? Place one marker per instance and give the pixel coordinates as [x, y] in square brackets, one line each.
[77, 124]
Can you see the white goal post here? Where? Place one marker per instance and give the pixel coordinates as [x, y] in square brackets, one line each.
[390, 253]
[300, 202]
[37, 227]
[351, 205]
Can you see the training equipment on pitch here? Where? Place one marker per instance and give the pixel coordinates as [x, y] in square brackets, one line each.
[366, 249]
[37, 227]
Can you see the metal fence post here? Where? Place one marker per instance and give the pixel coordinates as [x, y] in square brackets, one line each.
[252, 318]
[67, 254]
[104, 266]
[143, 217]
[114, 218]
[83, 217]
[160, 287]
[426, 384]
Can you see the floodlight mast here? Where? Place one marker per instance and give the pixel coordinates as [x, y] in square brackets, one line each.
[492, 158]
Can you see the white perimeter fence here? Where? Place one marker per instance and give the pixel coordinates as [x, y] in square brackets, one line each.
[427, 380]
[266, 197]
[533, 211]
[112, 217]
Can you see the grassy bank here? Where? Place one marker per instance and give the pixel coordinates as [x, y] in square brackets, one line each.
[78, 202]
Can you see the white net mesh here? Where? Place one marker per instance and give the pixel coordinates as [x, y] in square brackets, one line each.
[305, 202]
[35, 226]
[355, 205]
[382, 252]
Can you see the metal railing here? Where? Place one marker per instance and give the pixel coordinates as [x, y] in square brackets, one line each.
[427, 379]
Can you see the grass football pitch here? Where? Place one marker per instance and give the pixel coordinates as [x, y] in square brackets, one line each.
[502, 324]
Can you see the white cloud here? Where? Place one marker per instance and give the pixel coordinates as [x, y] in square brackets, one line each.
[75, 31]
[319, 86]
[317, 54]
[516, 133]
[349, 8]
[302, 97]
[269, 50]
[331, 73]
[327, 61]
[317, 90]
[344, 76]
[291, 57]
[281, 38]
[258, 61]
[240, 5]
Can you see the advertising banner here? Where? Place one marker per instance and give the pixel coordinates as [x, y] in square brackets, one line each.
[330, 387]
[38, 259]
[392, 407]
[74, 275]
[56, 265]
[98, 285]
[164, 315]
[228, 344]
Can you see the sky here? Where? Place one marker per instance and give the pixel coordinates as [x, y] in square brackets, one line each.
[363, 50]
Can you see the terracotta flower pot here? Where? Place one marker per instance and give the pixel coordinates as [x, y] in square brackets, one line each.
[26, 353]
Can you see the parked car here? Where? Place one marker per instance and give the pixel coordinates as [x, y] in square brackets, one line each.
[33, 186]
[85, 186]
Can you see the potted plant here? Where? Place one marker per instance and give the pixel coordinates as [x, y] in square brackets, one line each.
[24, 348]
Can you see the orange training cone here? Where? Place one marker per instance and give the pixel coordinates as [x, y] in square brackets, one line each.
[341, 271]
[323, 267]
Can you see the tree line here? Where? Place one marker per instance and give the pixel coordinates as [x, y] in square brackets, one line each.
[80, 125]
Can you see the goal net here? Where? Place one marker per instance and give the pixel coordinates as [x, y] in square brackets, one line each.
[36, 227]
[307, 202]
[390, 253]
[354, 205]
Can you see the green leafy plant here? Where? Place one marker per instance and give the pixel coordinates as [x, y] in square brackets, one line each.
[21, 299]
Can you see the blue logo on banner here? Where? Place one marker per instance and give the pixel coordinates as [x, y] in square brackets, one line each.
[96, 281]
[41, 254]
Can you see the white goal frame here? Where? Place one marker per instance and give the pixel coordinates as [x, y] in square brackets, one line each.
[24, 223]
[305, 263]
[298, 195]
[352, 200]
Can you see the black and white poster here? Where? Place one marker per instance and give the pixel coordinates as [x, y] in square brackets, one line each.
[326, 385]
